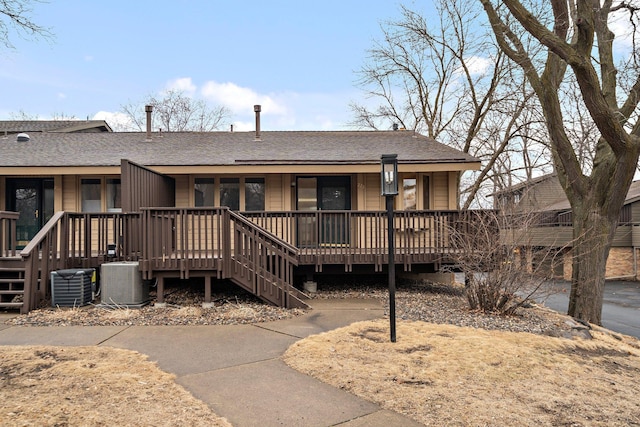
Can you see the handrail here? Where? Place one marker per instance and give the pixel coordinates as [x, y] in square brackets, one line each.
[40, 258]
[8, 236]
[207, 241]
[76, 240]
[262, 262]
[360, 237]
[265, 233]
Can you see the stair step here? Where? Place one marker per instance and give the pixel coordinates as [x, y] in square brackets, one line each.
[15, 280]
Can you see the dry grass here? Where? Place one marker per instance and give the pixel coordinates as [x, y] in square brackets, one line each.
[92, 386]
[457, 376]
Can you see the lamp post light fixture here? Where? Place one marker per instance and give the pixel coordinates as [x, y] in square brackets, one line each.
[389, 186]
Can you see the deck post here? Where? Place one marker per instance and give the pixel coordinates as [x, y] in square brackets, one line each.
[207, 292]
[160, 293]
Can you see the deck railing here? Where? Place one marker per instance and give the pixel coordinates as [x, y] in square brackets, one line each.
[195, 241]
[8, 243]
[360, 237]
[257, 249]
[261, 260]
[77, 240]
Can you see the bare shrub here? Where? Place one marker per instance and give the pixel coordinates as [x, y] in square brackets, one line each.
[504, 269]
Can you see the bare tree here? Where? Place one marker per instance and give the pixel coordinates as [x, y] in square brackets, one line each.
[503, 269]
[449, 81]
[174, 111]
[23, 115]
[578, 41]
[15, 17]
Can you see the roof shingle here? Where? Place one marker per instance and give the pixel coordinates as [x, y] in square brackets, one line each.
[225, 148]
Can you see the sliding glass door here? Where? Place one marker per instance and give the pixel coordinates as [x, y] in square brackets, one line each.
[326, 194]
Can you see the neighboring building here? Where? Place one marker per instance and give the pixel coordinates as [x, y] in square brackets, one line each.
[9, 127]
[286, 182]
[545, 201]
[532, 195]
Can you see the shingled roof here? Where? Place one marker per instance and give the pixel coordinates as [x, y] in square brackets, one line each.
[225, 148]
[32, 126]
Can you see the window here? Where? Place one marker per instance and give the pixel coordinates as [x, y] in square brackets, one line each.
[254, 190]
[114, 198]
[204, 192]
[90, 190]
[230, 193]
[409, 194]
[237, 193]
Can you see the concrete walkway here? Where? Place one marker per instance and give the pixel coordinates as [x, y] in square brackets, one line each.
[237, 369]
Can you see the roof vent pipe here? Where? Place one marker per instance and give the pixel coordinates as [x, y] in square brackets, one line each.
[148, 109]
[257, 109]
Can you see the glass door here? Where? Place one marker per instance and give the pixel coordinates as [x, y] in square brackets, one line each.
[32, 198]
[307, 200]
[334, 195]
[326, 194]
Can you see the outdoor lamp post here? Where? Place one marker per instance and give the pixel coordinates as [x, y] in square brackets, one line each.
[389, 185]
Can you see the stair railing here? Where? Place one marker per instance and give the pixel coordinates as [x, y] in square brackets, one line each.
[41, 256]
[8, 240]
[262, 260]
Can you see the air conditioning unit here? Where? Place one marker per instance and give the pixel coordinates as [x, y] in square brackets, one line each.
[73, 287]
[121, 284]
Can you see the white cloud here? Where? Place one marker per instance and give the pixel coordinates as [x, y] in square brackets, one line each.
[242, 126]
[118, 121]
[182, 84]
[88, 58]
[478, 64]
[240, 99]
[280, 111]
[62, 95]
[620, 26]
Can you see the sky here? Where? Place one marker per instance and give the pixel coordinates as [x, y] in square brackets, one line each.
[298, 59]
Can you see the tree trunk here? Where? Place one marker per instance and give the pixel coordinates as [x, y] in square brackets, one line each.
[592, 233]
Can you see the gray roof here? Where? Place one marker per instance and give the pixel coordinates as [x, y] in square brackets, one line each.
[30, 126]
[225, 148]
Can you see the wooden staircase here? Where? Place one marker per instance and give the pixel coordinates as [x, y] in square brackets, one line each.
[12, 278]
[263, 285]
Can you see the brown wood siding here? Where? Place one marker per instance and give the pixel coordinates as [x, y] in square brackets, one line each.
[274, 193]
[440, 189]
[539, 236]
[542, 194]
[143, 187]
[184, 191]
[635, 235]
[622, 237]
[373, 200]
[635, 212]
[70, 193]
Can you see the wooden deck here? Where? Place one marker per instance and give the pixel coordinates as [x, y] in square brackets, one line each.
[259, 251]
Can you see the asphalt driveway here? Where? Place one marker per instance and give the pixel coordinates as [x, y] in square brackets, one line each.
[620, 310]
